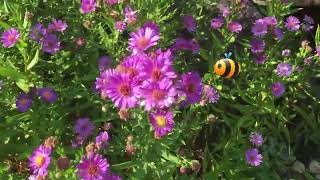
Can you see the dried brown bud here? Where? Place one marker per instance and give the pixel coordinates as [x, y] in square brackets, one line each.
[195, 165]
[91, 148]
[181, 151]
[80, 41]
[107, 126]
[63, 163]
[211, 118]
[29, 15]
[51, 142]
[87, 24]
[130, 149]
[124, 114]
[129, 139]
[114, 14]
[304, 43]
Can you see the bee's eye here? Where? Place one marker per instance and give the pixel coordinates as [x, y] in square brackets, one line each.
[219, 65]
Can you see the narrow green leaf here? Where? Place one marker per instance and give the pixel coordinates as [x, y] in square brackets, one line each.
[4, 25]
[11, 73]
[34, 60]
[317, 38]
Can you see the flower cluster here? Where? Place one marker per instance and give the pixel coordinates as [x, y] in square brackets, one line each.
[253, 157]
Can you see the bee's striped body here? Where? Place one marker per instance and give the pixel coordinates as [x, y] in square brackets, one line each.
[227, 68]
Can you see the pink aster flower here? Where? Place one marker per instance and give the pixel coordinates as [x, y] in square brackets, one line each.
[10, 37]
[132, 65]
[112, 2]
[189, 23]
[152, 25]
[102, 81]
[217, 23]
[58, 25]
[47, 95]
[88, 6]
[162, 122]
[84, 127]
[259, 28]
[292, 23]
[256, 139]
[253, 157]
[270, 21]
[277, 89]
[120, 26]
[122, 89]
[94, 167]
[191, 86]
[50, 44]
[157, 94]
[130, 15]
[38, 32]
[235, 27]
[143, 39]
[39, 160]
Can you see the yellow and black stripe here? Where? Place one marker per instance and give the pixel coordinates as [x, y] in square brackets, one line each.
[227, 68]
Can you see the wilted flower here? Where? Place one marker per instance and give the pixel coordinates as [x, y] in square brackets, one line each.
[292, 23]
[94, 167]
[77, 142]
[130, 15]
[88, 6]
[120, 26]
[51, 142]
[23, 102]
[162, 122]
[257, 45]
[217, 23]
[235, 27]
[63, 163]
[189, 23]
[40, 160]
[256, 139]
[286, 52]
[308, 23]
[259, 28]
[47, 95]
[58, 25]
[10, 37]
[210, 94]
[253, 157]
[284, 69]
[277, 89]
[195, 165]
[38, 32]
[84, 127]
[308, 61]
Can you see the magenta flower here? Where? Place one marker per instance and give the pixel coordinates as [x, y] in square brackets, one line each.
[157, 94]
[50, 44]
[132, 65]
[88, 6]
[151, 25]
[292, 23]
[318, 51]
[217, 23]
[84, 127]
[278, 33]
[259, 28]
[130, 15]
[253, 157]
[162, 122]
[260, 58]
[58, 25]
[40, 160]
[112, 2]
[210, 94]
[270, 21]
[120, 26]
[94, 167]
[257, 45]
[102, 140]
[47, 95]
[102, 81]
[191, 87]
[286, 52]
[189, 23]
[104, 62]
[10, 37]
[186, 44]
[121, 89]
[23, 102]
[38, 32]
[143, 39]
[225, 11]
[234, 27]
[256, 139]
[277, 89]
[284, 69]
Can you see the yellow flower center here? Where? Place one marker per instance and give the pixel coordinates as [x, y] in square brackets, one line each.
[40, 160]
[47, 95]
[23, 102]
[161, 121]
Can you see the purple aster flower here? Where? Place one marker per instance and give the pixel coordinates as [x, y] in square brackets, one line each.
[130, 15]
[210, 94]
[104, 62]
[217, 23]
[120, 26]
[40, 160]
[157, 94]
[112, 176]
[259, 28]
[278, 33]
[88, 6]
[50, 44]
[277, 89]
[94, 167]
[47, 95]
[284, 69]
[234, 27]
[157, 69]
[270, 20]
[58, 25]
[10, 37]
[143, 39]
[257, 45]
[253, 157]
[292, 23]
[189, 23]
[112, 2]
[256, 139]
[23, 102]
[191, 86]
[286, 52]
[102, 140]
[260, 58]
[162, 122]
[186, 44]
[121, 89]
[308, 23]
[84, 127]
[308, 61]
[151, 25]
[38, 32]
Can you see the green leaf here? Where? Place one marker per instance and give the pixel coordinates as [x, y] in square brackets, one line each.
[34, 60]
[11, 73]
[23, 85]
[317, 38]
[4, 25]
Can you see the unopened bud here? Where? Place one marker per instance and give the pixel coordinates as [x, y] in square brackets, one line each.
[87, 24]
[51, 142]
[123, 114]
[195, 165]
[91, 148]
[130, 149]
[183, 170]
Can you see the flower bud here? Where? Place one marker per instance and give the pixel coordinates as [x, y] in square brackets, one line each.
[195, 165]
[123, 114]
[51, 142]
[183, 170]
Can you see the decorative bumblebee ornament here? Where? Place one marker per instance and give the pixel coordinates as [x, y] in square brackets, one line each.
[227, 68]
